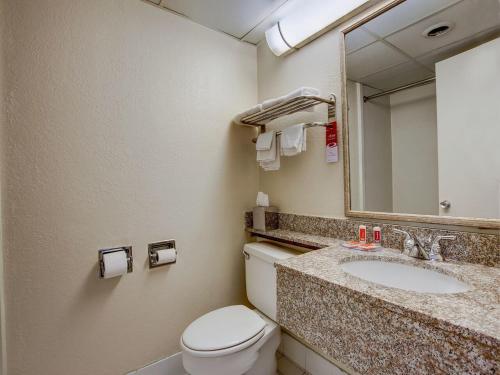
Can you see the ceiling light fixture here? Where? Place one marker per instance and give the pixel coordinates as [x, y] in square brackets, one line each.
[276, 41]
[307, 22]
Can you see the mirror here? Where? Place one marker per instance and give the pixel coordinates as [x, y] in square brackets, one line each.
[422, 102]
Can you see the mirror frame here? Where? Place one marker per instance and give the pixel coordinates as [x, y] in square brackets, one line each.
[429, 219]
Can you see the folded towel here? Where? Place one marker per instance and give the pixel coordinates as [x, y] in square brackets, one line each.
[273, 165]
[301, 91]
[265, 141]
[272, 102]
[268, 155]
[255, 109]
[293, 140]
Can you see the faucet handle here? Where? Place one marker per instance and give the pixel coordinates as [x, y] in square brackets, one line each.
[402, 232]
[435, 252]
[409, 242]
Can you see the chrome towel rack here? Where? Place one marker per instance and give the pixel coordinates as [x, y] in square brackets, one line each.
[306, 126]
[288, 107]
[293, 105]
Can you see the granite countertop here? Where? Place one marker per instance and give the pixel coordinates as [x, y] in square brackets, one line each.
[310, 241]
[473, 314]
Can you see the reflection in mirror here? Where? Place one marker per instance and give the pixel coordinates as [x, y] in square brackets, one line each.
[423, 94]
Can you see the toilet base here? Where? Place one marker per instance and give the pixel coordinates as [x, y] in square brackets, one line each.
[258, 359]
[266, 363]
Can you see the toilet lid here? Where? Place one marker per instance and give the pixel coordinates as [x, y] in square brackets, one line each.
[223, 328]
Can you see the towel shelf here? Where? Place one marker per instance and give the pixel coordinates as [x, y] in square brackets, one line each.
[306, 126]
[293, 105]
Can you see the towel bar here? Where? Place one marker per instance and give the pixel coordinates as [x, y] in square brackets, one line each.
[296, 104]
[306, 126]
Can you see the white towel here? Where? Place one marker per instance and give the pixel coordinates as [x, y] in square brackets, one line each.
[273, 165]
[255, 109]
[272, 102]
[293, 140]
[302, 91]
[268, 155]
[311, 91]
[265, 141]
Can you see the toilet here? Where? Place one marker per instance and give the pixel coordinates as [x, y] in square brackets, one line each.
[236, 340]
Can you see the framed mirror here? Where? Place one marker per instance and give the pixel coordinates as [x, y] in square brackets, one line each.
[421, 110]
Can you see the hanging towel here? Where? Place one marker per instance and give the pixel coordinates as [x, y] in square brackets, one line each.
[293, 140]
[301, 91]
[265, 141]
[273, 165]
[270, 154]
[255, 109]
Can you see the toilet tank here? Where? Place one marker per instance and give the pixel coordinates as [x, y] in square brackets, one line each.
[260, 274]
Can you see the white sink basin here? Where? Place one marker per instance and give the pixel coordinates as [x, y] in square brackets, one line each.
[402, 276]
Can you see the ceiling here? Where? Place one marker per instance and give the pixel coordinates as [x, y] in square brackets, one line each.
[390, 51]
[246, 20]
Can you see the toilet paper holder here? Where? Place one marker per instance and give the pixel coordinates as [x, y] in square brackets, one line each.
[128, 251]
[153, 249]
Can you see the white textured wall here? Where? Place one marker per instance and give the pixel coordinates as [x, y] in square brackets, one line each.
[119, 134]
[357, 184]
[305, 184]
[377, 164]
[414, 151]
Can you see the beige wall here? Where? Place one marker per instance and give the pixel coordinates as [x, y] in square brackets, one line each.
[305, 184]
[2, 152]
[414, 151]
[119, 134]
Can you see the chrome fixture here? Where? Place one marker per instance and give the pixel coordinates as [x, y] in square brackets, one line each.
[288, 107]
[102, 252]
[153, 256]
[445, 204]
[400, 88]
[428, 249]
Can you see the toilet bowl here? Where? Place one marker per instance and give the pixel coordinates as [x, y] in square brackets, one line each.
[239, 343]
[236, 340]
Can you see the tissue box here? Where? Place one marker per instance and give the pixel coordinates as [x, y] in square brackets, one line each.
[265, 218]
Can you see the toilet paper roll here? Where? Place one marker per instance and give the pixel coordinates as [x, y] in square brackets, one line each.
[166, 256]
[115, 264]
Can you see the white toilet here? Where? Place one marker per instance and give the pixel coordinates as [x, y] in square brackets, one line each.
[235, 340]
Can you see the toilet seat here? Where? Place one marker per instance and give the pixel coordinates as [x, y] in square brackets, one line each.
[223, 331]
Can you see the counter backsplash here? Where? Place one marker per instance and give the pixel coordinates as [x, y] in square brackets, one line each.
[479, 248]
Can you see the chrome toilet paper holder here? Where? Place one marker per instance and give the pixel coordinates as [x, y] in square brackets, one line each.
[153, 249]
[128, 251]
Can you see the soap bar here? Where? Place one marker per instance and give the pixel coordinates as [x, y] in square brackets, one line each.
[368, 247]
[356, 245]
[351, 244]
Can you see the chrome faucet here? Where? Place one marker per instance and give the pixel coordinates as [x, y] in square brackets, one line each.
[427, 249]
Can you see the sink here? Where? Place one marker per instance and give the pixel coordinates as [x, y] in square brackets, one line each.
[403, 276]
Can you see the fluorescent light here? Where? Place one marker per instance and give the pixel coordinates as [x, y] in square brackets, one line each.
[275, 41]
[309, 19]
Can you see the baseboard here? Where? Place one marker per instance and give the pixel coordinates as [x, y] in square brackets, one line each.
[167, 366]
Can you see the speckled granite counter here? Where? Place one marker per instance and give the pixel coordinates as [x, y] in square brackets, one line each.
[309, 241]
[470, 247]
[373, 329]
